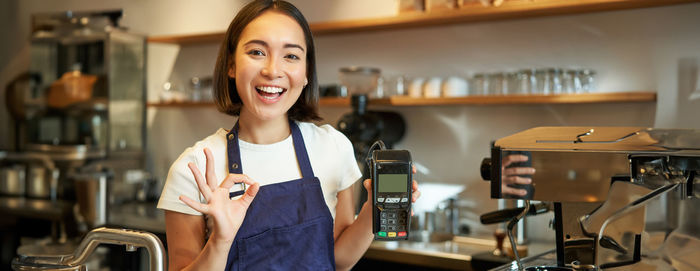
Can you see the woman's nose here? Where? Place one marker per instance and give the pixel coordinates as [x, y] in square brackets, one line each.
[272, 69]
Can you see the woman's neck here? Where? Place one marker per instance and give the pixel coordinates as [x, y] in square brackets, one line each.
[257, 131]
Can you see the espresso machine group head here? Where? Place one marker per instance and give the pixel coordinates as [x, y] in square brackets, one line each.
[599, 181]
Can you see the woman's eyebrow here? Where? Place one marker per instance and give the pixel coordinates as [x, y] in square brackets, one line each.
[292, 45]
[260, 42]
[264, 44]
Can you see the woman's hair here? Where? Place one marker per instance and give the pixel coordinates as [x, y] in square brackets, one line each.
[225, 92]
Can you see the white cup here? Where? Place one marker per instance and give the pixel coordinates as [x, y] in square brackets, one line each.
[415, 90]
[455, 87]
[432, 88]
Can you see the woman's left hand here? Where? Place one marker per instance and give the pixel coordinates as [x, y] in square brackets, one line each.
[414, 196]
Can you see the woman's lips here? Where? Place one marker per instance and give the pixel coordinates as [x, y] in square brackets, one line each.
[270, 94]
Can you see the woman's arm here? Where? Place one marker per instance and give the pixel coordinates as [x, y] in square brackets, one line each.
[352, 236]
[186, 248]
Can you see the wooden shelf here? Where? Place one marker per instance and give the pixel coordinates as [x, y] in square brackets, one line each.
[180, 104]
[511, 9]
[589, 98]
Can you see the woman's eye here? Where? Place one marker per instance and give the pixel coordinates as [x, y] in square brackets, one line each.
[256, 52]
[292, 57]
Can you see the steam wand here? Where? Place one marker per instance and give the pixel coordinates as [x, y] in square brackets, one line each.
[510, 226]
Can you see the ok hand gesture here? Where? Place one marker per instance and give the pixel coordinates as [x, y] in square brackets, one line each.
[228, 214]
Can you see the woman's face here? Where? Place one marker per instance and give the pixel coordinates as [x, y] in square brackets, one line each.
[270, 65]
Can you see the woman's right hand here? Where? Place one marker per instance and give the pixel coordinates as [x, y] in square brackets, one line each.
[227, 214]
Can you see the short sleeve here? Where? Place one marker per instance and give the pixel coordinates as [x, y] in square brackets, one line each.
[347, 164]
[180, 181]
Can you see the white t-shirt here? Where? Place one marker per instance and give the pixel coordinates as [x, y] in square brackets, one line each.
[330, 152]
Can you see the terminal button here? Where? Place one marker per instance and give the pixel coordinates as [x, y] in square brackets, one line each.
[392, 234]
[392, 200]
[382, 234]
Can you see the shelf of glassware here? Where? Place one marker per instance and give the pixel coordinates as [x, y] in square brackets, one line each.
[470, 12]
[587, 98]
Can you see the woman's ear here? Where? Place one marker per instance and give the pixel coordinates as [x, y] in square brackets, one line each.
[306, 81]
[232, 71]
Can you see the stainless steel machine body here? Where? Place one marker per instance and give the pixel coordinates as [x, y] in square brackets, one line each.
[600, 180]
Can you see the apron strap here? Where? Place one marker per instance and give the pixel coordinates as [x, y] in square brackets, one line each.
[233, 151]
[300, 150]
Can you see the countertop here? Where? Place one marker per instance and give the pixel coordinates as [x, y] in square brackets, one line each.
[138, 216]
[455, 254]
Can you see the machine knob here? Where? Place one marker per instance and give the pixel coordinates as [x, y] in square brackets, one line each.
[486, 169]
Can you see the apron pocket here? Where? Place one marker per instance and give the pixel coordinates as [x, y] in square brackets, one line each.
[299, 247]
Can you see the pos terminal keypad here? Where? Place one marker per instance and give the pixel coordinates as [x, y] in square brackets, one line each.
[393, 217]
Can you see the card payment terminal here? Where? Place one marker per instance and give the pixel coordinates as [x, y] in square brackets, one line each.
[391, 172]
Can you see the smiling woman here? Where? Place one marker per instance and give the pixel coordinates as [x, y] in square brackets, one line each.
[297, 48]
[297, 211]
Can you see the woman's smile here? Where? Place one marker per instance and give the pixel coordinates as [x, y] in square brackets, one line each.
[270, 93]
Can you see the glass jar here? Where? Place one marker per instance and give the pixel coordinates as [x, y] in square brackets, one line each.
[587, 77]
[571, 82]
[555, 77]
[527, 82]
[543, 82]
[496, 84]
[480, 83]
[510, 83]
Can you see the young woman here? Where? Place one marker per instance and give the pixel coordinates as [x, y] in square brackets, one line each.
[297, 212]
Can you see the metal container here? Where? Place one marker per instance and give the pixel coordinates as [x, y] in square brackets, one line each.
[42, 182]
[12, 181]
[91, 193]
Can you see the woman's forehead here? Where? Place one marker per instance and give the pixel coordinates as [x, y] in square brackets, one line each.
[273, 28]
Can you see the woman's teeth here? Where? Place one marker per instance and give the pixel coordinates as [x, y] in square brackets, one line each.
[270, 92]
[270, 89]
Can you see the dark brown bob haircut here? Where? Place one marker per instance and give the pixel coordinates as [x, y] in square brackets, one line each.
[225, 92]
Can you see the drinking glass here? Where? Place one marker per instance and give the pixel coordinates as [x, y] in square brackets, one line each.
[587, 77]
[481, 84]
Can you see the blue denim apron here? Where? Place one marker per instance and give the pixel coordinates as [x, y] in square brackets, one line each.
[288, 225]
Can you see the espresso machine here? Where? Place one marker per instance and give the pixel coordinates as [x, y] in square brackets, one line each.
[79, 116]
[81, 105]
[624, 198]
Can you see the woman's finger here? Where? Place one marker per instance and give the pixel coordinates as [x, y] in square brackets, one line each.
[415, 195]
[198, 206]
[250, 193]
[519, 171]
[367, 183]
[512, 191]
[513, 158]
[211, 175]
[517, 180]
[233, 179]
[201, 184]
[413, 169]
